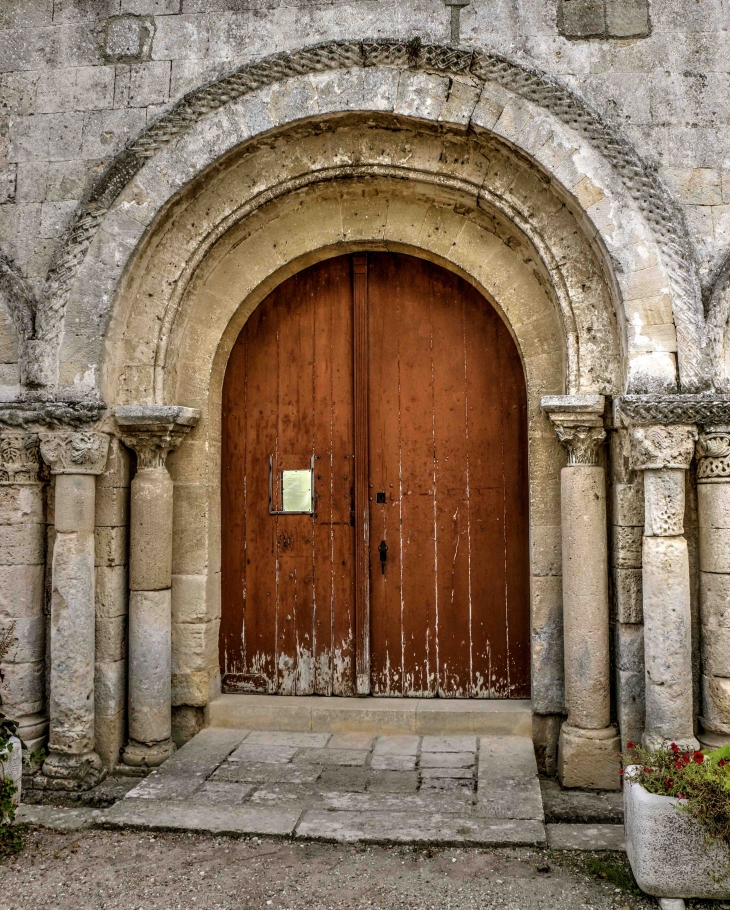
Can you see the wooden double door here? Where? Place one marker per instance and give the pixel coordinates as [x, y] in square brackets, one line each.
[374, 489]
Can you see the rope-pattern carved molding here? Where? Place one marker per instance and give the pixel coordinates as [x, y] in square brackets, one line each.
[644, 410]
[643, 185]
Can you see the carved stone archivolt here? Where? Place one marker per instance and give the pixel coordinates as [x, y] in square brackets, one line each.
[658, 447]
[75, 453]
[19, 458]
[713, 455]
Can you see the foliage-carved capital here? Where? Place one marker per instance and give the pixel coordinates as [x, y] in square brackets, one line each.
[75, 453]
[657, 447]
[19, 458]
[713, 455]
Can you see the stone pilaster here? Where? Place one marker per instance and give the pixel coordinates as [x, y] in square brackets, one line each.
[75, 458]
[664, 454]
[713, 507]
[22, 557]
[152, 432]
[588, 741]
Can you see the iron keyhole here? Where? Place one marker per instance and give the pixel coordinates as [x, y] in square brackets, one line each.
[383, 550]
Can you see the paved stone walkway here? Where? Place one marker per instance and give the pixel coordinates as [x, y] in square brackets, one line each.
[344, 787]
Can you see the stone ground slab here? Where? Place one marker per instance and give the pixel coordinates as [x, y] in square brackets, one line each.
[58, 819]
[417, 828]
[164, 815]
[586, 837]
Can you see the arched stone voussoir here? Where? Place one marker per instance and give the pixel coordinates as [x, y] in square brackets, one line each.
[621, 207]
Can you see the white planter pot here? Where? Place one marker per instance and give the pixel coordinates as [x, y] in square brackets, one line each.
[12, 767]
[668, 850]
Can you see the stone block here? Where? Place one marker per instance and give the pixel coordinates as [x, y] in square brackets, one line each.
[546, 545]
[627, 18]
[343, 757]
[279, 738]
[22, 545]
[447, 760]
[588, 759]
[128, 38]
[22, 690]
[393, 762]
[582, 18]
[627, 595]
[716, 703]
[664, 502]
[112, 591]
[22, 590]
[149, 83]
[187, 722]
[713, 505]
[29, 639]
[629, 644]
[626, 547]
[189, 599]
[194, 646]
[110, 687]
[111, 638]
[195, 688]
[21, 503]
[630, 708]
[112, 506]
[75, 497]
[117, 470]
[111, 546]
[109, 738]
[627, 504]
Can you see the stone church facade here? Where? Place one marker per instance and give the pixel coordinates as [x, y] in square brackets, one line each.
[166, 165]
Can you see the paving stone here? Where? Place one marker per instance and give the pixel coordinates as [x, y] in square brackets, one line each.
[393, 782]
[464, 773]
[447, 759]
[285, 794]
[296, 740]
[396, 745]
[352, 741]
[273, 755]
[429, 801]
[581, 806]
[58, 819]
[392, 762]
[159, 815]
[170, 786]
[448, 785]
[257, 772]
[356, 757]
[416, 827]
[449, 744]
[223, 792]
[343, 779]
[203, 753]
[508, 786]
[586, 837]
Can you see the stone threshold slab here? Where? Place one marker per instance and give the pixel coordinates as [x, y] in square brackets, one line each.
[417, 828]
[423, 716]
[210, 818]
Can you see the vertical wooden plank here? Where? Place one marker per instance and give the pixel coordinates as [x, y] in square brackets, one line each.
[362, 516]
[452, 506]
[386, 604]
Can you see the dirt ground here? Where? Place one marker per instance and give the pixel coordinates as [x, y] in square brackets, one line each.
[105, 870]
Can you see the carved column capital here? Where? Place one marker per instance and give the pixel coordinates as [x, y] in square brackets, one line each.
[19, 458]
[578, 422]
[713, 455]
[154, 431]
[656, 447]
[82, 452]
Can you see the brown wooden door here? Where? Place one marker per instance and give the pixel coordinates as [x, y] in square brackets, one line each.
[406, 365]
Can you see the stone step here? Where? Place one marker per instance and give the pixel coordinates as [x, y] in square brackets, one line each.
[424, 716]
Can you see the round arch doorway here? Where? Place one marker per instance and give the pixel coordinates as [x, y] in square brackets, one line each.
[374, 489]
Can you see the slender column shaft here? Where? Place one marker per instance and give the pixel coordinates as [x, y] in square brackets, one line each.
[713, 507]
[75, 458]
[664, 454]
[22, 556]
[152, 432]
[588, 742]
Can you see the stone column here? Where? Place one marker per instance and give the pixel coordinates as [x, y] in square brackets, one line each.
[75, 458]
[664, 454]
[713, 508]
[588, 742]
[152, 432]
[22, 570]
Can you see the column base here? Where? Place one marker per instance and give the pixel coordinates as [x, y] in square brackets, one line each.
[33, 731]
[62, 771]
[655, 741]
[147, 755]
[710, 740]
[588, 759]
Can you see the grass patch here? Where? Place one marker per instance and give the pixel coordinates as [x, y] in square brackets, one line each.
[615, 870]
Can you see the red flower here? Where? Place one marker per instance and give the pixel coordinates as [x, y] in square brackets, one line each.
[630, 745]
[686, 759]
[648, 770]
[678, 765]
[621, 771]
[723, 762]
[669, 783]
[675, 748]
[680, 796]
[699, 758]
